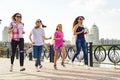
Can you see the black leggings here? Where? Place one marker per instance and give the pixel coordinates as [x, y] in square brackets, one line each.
[21, 50]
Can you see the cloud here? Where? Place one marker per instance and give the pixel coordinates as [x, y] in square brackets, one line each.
[88, 5]
[115, 11]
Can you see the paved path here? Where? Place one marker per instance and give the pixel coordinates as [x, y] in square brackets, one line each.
[48, 73]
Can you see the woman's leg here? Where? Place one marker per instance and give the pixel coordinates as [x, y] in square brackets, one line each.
[56, 53]
[14, 46]
[84, 48]
[35, 51]
[21, 47]
[36, 55]
[56, 56]
[62, 49]
[39, 55]
[78, 48]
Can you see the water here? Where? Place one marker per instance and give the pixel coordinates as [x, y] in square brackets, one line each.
[107, 63]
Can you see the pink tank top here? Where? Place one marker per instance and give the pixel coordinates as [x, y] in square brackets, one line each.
[58, 34]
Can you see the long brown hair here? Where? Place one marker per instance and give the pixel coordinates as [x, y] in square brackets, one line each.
[13, 17]
[76, 20]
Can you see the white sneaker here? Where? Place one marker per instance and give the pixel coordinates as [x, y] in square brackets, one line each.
[86, 67]
[40, 66]
[70, 62]
[11, 68]
[37, 69]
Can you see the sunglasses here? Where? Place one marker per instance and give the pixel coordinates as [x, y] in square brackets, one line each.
[80, 19]
[39, 21]
[19, 16]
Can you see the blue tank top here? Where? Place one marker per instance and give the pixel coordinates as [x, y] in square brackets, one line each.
[80, 36]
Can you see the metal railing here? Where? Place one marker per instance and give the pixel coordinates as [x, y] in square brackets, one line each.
[112, 51]
[96, 53]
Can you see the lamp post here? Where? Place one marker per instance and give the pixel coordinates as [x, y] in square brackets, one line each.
[0, 21]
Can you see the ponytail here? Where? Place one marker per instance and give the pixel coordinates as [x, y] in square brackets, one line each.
[43, 26]
[38, 20]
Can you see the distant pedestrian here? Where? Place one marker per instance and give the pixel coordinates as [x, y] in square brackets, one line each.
[29, 53]
[79, 31]
[38, 41]
[16, 29]
[59, 45]
[8, 52]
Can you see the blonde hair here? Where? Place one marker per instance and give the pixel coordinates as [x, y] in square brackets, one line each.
[59, 25]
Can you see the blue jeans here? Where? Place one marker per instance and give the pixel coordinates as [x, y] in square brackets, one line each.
[37, 51]
[81, 43]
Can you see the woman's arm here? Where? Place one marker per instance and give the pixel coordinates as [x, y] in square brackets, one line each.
[56, 38]
[12, 27]
[31, 39]
[46, 38]
[10, 30]
[74, 30]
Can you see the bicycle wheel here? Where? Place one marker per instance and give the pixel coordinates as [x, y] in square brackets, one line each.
[71, 52]
[47, 54]
[114, 54]
[43, 53]
[80, 56]
[100, 54]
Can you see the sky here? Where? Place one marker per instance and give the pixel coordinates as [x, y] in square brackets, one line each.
[104, 13]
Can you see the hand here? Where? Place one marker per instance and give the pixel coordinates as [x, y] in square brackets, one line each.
[85, 32]
[13, 27]
[33, 42]
[23, 32]
[50, 38]
[82, 31]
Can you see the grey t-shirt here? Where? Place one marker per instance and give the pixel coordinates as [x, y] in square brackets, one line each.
[37, 36]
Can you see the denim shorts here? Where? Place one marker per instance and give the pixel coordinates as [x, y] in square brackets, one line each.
[58, 48]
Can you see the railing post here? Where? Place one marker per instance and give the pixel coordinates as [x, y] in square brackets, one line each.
[8, 52]
[51, 51]
[89, 49]
[0, 21]
[30, 56]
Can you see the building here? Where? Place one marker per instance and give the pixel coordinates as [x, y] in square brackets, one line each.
[5, 36]
[109, 41]
[73, 40]
[93, 35]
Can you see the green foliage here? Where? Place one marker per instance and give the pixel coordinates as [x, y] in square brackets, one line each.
[0, 43]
